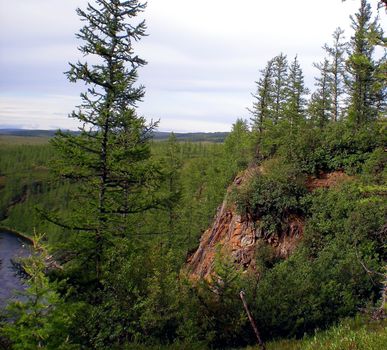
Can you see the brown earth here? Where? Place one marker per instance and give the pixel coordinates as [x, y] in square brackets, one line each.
[326, 180]
[2, 181]
[240, 236]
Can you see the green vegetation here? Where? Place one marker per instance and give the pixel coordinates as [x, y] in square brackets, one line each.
[35, 323]
[121, 213]
[324, 280]
[272, 196]
[202, 176]
[6, 139]
[27, 137]
[25, 181]
[354, 333]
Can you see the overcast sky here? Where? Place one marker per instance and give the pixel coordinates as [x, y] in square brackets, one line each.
[203, 56]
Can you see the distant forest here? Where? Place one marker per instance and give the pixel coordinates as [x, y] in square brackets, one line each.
[157, 135]
[272, 236]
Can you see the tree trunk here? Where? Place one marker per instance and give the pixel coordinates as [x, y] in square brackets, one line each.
[251, 319]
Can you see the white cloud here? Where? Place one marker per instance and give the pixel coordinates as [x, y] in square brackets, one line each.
[37, 112]
[204, 55]
[192, 125]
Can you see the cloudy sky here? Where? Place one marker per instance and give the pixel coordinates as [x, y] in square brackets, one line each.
[203, 56]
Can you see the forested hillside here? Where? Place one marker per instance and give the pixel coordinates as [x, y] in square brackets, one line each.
[154, 243]
[40, 136]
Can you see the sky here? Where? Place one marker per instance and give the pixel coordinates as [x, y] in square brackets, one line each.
[203, 56]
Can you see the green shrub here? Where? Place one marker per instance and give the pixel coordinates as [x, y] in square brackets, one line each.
[374, 169]
[272, 196]
[338, 146]
[325, 279]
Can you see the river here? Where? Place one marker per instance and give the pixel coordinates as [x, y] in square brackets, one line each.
[11, 247]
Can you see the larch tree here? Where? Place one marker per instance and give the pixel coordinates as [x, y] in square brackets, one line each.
[380, 87]
[263, 99]
[337, 56]
[381, 3]
[320, 106]
[362, 81]
[280, 76]
[296, 90]
[109, 157]
[238, 144]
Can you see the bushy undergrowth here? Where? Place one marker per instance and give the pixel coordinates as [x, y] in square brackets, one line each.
[272, 195]
[325, 279]
[339, 145]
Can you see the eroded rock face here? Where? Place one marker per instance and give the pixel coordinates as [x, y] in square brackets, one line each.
[240, 237]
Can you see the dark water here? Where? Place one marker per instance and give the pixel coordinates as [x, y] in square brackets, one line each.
[11, 247]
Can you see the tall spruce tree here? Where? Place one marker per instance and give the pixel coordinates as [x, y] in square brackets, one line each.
[336, 56]
[380, 86]
[296, 90]
[362, 81]
[280, 76]
[109, 157]
[263, 99]
[320, 106]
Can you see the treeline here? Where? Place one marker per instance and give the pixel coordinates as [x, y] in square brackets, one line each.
[350, 84]
[24, 173]
[196, 173]
[135, 209]
[344, 117]
[157, 135]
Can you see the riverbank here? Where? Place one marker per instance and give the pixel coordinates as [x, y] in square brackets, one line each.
[20, 235]
[13, 247]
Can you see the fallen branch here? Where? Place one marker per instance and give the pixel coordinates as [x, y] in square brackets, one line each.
[251, 319]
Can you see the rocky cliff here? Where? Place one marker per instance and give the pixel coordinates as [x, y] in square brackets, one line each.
[240, 236]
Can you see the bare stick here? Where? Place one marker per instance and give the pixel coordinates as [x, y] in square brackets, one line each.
[251, 319]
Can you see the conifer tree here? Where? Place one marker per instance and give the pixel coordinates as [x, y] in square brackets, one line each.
[296, 90]
[380, 86]
[320, 106]
[39, 319]
[362, 81]
[109, 157]
[280, 76]
[336, 54]
[173, 166]
[238, 144]
[262, 106]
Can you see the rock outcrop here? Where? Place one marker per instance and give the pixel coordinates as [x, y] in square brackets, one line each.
[240, 236]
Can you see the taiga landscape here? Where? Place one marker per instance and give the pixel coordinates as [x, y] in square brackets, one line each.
[119, 234]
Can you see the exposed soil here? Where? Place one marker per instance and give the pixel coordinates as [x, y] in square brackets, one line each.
[326, 180]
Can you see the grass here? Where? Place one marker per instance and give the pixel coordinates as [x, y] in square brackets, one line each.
[351, 334]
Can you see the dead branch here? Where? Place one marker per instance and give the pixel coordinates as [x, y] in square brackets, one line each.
[251, 319]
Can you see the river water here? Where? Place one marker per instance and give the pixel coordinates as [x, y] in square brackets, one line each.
[11, 247]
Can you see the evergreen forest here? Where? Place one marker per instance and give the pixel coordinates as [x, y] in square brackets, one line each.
[272, 236]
